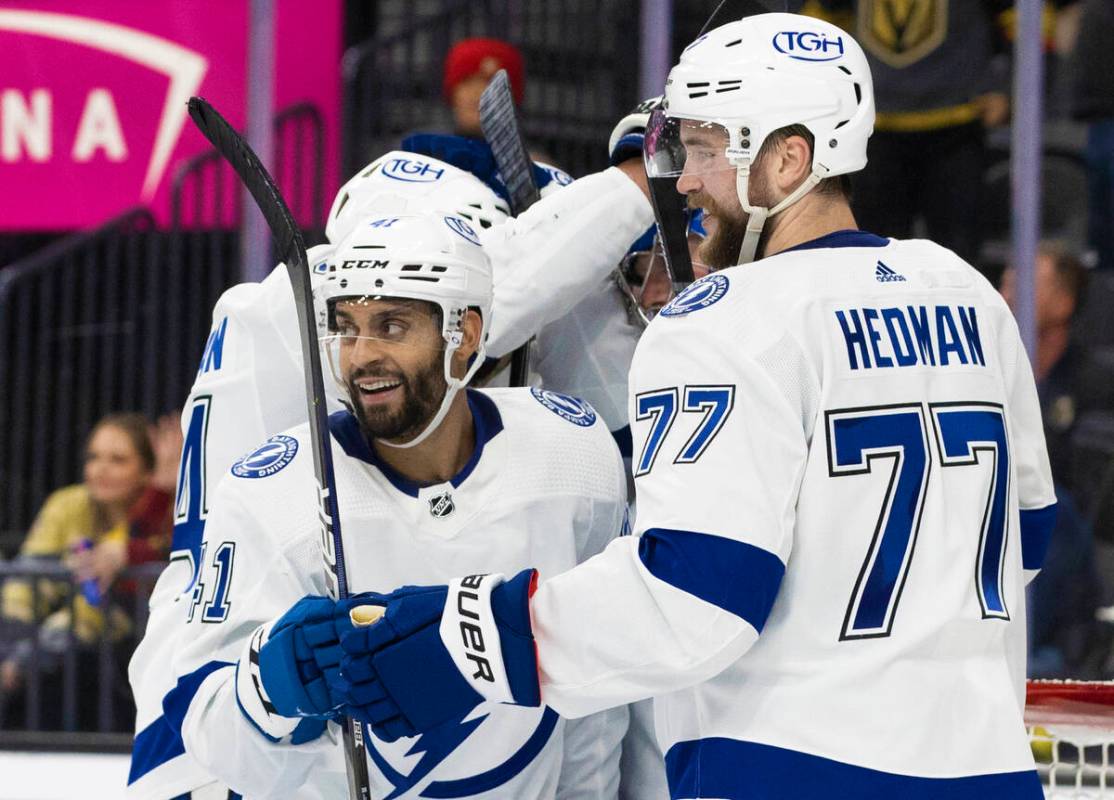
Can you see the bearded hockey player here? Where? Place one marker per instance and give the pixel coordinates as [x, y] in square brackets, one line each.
[249, 383]
[433, 479]
[842, 482]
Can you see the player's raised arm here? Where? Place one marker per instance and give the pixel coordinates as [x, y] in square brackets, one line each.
[557, 252]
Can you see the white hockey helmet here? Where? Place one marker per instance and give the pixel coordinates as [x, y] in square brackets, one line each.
[756, 75]
[410, 181]
[432, 257]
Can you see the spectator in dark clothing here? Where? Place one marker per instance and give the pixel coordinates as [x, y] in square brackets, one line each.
[1068, 590]
[1093, 103]
[1065, 597]
[1060, 283]
[1061, 280]
[941, 79]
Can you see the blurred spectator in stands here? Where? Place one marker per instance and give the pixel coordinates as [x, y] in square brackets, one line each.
[120, 514]
[469, 66]
[1068, 590]
[1090, 41]
[941, 80]
[1061, 280]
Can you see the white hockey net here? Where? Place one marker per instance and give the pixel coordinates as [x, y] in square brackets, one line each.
[1071, 727]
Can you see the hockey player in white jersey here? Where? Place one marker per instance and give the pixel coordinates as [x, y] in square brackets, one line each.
[249, 382]
[432, 479]
[842, 481]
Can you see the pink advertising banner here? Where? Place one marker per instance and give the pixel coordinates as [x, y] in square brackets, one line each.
[93, 97]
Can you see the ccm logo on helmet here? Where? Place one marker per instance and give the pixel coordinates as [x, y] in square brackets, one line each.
[808, 45]
[405, 169]
[364, 263]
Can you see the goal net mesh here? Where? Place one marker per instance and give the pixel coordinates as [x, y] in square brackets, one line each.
[1071, 728]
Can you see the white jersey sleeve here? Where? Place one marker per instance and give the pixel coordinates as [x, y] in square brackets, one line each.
[700, 575]
[1035, 490]
[550, 257]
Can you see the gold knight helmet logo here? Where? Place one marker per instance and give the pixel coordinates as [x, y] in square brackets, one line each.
[902, 32]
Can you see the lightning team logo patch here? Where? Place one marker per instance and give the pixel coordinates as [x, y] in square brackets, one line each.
[575, 411]
[705, 292]
[267, 459]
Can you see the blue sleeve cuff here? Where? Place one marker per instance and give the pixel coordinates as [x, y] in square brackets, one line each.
[735, 576]
[510, 605]
[1036, 532]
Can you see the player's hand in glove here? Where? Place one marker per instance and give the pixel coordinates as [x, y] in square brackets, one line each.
[470, 155]
[282, 678]
[626, 137]
[439, 651]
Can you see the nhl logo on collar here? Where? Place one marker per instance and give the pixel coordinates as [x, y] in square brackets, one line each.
[703, 293]
[442, 505]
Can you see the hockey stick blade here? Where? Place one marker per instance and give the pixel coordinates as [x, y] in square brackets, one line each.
[292, 250]
[499, 121]
[501, 128]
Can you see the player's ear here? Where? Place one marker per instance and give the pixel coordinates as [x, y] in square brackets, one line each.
[794, 163]
[472, 328]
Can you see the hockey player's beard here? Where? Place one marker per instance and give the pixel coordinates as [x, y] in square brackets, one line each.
[721, 247]
[422, 393]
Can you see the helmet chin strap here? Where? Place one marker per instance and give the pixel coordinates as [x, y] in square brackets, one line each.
[759, 214]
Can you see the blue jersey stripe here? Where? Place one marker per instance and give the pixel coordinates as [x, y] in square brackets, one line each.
[729, 769]
[622, 438]
[161, 741]
[1036, 532]
[736, 576]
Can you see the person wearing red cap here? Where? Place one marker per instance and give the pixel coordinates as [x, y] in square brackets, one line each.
[469, 66]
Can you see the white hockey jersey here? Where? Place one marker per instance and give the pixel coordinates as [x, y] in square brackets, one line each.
[250, 384]
[545, 487]
[842, 483]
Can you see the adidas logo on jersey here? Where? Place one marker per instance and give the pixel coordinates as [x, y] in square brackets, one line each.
[884, 274]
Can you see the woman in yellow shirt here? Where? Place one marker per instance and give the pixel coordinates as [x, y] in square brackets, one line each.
[88, 526]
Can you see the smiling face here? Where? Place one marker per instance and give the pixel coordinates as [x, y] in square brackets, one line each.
[114, 470]
[389, 353]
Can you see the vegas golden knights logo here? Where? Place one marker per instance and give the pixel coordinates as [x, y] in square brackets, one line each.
[902, 32]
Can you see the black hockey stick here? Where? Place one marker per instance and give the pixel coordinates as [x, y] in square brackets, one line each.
[499, 121]
[292, 250]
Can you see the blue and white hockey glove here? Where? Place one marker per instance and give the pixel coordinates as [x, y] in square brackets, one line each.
[470, 155]
[626, 137]
[439, 651]
[282, 678]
